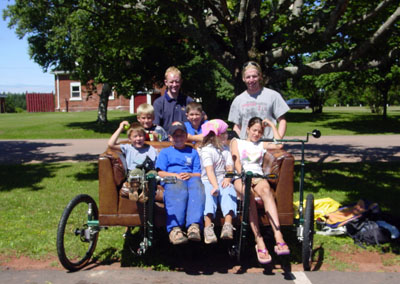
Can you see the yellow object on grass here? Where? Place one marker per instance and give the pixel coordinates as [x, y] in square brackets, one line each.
[322, 207]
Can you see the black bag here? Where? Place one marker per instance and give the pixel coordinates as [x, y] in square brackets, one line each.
[365, 231]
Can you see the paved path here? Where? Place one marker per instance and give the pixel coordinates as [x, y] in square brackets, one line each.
[324, 149]
[136, 275]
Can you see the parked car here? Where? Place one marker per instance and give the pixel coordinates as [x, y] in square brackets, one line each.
[297, 103]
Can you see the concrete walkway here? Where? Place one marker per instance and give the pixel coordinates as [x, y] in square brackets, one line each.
[325, 149]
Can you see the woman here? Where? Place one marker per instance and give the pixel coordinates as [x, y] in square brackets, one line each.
[248, 156]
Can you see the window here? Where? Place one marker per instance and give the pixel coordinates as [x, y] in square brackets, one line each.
[112, 96]
[76, 91]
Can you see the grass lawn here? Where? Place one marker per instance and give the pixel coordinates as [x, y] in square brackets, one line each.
[58, 125]
[33, 196]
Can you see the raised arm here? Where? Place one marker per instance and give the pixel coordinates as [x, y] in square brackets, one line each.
[277, 135]
[112, 142]
[235, 156]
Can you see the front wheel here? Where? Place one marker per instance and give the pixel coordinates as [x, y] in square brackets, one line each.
[76, 240]
[308, 233]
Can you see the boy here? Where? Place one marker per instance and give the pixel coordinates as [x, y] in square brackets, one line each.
[171, 106]
[145, 116]
[136, 154]
[184, 200]
[195, 117]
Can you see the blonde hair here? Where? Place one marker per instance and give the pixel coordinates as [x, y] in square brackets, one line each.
[172, 70]
[145, 109]
[194, 106]
[136, 127]
[253, 65]
[212, 139]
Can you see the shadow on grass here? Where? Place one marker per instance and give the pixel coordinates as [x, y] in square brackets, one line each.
[377, 182]
[344, 153]
[19, 152]
[109, 127]
[26, 176]
[359, 123]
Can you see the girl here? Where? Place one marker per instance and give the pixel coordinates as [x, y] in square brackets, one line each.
[215, 161]
[248, 156]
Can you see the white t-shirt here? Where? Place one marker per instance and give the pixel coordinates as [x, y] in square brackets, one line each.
[211, 156]
[251, 155]
[266, 104]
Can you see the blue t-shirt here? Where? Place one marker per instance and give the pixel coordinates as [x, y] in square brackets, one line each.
[136, 156]
[178, 161]
[191, 130]
[168, 110]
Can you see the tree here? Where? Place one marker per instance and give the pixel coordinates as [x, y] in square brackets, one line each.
[126, 42]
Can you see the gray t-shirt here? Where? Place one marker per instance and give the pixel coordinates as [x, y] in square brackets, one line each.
[266, 104]
[136, 156]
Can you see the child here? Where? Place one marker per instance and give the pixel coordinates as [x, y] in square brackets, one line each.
[184, 200]
[136, 154]
[248, 156]
[195, 117]
[216, 160]
[145, 116]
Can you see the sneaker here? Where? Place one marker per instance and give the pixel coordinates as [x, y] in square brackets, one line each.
[227, 231]
[177, 237]
[193, 233]
[209, 235]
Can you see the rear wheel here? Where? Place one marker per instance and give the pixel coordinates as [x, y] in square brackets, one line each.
[308, 233]
[76, 241]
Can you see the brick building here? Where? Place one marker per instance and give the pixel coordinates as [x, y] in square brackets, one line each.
[71, 95]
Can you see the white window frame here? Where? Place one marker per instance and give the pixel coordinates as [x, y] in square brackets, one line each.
[72, 85]
[112, 96]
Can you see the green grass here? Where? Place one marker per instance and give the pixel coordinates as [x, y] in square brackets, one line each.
[33, 196]
[58, 125]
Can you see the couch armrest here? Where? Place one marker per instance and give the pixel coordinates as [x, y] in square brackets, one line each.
[108, 192]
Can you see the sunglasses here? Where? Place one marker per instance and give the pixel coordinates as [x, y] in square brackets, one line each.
[252, 63]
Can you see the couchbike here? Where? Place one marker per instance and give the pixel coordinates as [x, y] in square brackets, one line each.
[82, 220]
[304, 224]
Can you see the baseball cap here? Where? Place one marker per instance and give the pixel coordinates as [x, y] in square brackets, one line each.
[176, 125]
[217, 126]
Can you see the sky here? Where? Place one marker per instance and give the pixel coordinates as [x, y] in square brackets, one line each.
[19, 73]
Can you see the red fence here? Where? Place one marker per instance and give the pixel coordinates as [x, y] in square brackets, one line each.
[39, 102]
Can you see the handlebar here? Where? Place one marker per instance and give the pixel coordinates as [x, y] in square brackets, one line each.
[242, 175]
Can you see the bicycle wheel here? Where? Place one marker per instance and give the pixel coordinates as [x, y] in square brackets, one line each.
[75, 241]
[308, 233]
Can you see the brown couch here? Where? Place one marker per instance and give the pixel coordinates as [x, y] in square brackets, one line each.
[118, 211]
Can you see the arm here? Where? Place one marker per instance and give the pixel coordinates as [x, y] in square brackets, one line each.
[112, 142]
[269, 145]
[235, 156]
[227, 181]
[195, 138]
[213, 180]
[282, 126]
[237, 129]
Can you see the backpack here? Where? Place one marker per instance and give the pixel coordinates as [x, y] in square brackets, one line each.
[365, 231]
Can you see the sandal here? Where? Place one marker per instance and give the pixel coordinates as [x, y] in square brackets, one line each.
[279, 249]
[263, 260]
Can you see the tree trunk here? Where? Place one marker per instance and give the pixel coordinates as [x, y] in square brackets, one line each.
[103, 103]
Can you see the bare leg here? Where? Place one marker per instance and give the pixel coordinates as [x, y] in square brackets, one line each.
[207, 220]
[253, 219]
[265, 192]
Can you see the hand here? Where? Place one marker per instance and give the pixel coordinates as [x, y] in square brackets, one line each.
[184, 176]
[226, 182]
[124, 124]
[214, 191]
[155, 135]
[267, 122]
